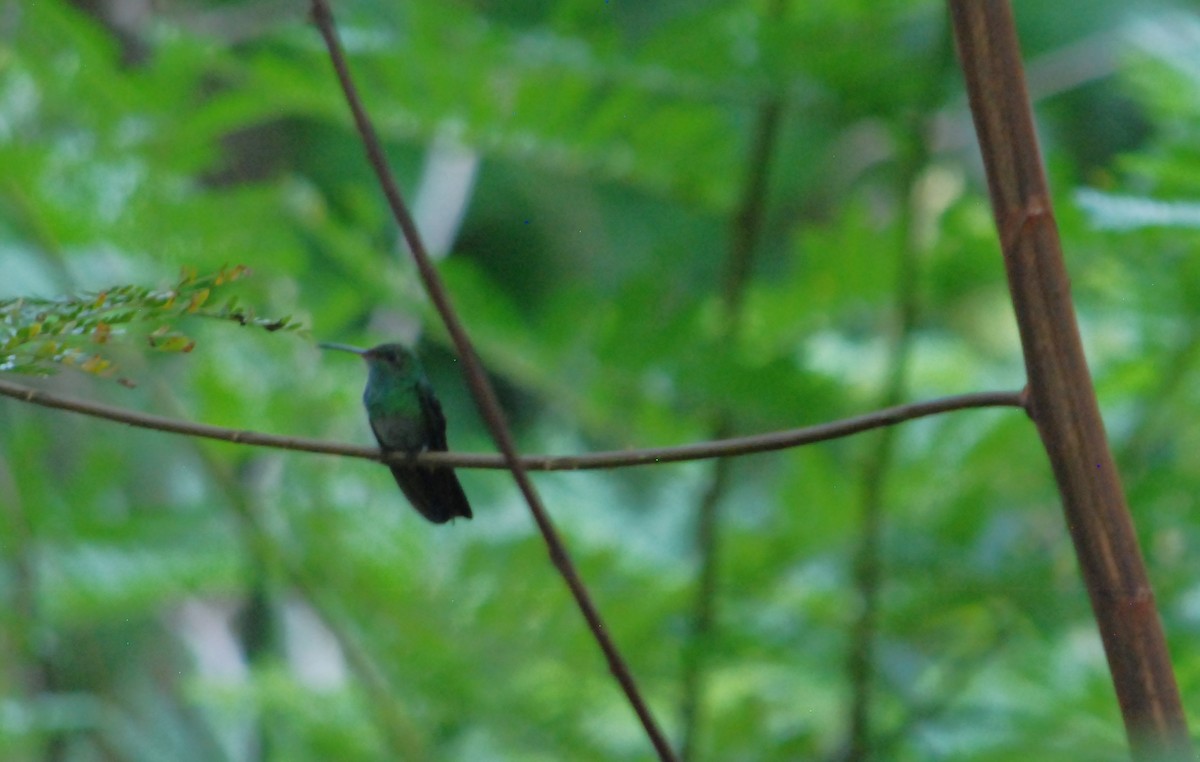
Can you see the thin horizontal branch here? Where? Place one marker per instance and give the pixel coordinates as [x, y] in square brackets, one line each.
[748, 445]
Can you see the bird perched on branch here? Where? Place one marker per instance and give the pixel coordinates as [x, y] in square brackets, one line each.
[406, 417]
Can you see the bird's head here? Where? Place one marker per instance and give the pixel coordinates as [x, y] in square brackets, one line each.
[395, 357]
[387, 357]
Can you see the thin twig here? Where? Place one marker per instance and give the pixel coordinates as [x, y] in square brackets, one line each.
[704, 611]
[718, 448]
[869, 570]
[481, 388]
[868, 557]
[746, 229]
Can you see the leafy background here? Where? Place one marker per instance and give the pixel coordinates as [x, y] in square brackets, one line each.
[173, 599]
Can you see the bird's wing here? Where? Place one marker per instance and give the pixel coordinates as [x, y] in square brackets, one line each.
[378, 436]
[435, 419]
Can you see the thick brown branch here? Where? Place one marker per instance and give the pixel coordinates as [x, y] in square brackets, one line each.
[1062, 400]
[749, 445]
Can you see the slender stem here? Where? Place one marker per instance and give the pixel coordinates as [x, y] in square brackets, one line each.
[718, 448]
[746, 230]
[869, 557]
[481, 388]
[868, 561]
[704, 611]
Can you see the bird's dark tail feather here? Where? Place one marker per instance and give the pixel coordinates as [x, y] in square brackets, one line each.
[434, 492]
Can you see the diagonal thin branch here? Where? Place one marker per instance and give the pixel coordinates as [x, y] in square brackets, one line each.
[481, 389]
[718, 448]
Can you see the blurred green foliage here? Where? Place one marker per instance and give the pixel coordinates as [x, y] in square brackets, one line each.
[173, 599]
[37, 335]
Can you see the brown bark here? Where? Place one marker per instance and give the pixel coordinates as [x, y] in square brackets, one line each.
[1061, 398]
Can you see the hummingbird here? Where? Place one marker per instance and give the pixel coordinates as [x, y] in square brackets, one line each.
[405, 416]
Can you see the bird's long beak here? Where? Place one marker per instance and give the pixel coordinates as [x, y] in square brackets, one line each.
[342, 348]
